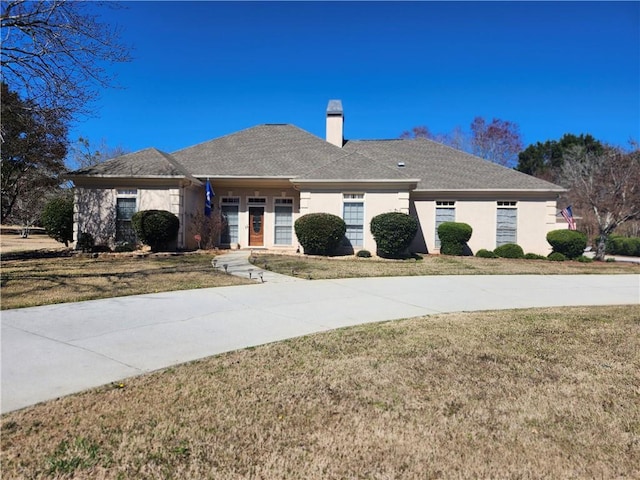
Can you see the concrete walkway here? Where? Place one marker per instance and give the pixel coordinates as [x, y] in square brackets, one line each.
[237, 263]
[56, 350]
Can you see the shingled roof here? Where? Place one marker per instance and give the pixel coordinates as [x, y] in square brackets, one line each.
[440, 167]
[286, 151]
[147, 163]
[261, 151]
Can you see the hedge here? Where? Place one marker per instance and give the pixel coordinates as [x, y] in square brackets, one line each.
[320, 233]
[454, 237]
[570, 243]
[618, 245]
[556, 257]
[484, 253]
[393, 233]
[509, 250]
[156, 228]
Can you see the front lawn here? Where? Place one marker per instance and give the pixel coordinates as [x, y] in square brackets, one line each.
[537, 393]
[316, 267]
[29, 282]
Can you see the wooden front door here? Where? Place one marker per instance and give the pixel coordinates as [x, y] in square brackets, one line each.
[256, 226]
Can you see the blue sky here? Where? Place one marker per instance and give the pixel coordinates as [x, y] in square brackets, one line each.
[206, 69]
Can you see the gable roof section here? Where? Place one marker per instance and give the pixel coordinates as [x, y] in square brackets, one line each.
[288, 152]
[440, 167]
[283, 151]
[147, 163]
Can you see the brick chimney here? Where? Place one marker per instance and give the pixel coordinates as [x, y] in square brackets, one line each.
[335, 123]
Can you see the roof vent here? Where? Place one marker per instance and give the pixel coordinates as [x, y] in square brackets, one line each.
[401, 164]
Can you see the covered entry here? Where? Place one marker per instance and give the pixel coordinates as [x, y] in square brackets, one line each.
[256, 221]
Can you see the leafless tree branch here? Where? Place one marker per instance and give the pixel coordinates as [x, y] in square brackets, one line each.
[608, 184]
[56, 52]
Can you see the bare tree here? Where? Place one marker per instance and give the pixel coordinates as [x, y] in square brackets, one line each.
[499, 141]
[53, 53]
[457, 138]
[84, 155]
[417, 132]
[607, 184]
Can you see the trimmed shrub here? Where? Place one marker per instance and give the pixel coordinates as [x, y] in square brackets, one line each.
[534, 256]
[454, 237]
[85, 242]
[509, 250]
[364, 254]
[556, 257]
[393, 233]
[584, 259]
[320, 233]
[618, 245]
[57, 219]
[156, 228]
[484, 253]
[125, 247]
[570, 243]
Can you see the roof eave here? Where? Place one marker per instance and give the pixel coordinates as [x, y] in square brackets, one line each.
[351, 180]
[244, 177]
[163, 177]
[493, 190]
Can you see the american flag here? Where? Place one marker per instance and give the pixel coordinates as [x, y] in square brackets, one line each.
[568, 216]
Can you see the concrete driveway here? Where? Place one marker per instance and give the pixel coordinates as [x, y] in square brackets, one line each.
[56, 350]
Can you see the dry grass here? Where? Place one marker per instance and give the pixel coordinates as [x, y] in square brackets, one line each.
[44, 281]
[550, 393]
[353, 267]
[57, 277]
[11, 241]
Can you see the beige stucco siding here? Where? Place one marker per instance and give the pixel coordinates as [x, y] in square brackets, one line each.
[191, 214]
[94, 212]
[482, 216]
[535, 218]
[375, 202]
[95, 209]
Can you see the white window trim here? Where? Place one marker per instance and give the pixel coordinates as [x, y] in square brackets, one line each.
[356, 197]
[231, 201]
[442, 204]
[127, 193]
[282, 202]
[507, 205]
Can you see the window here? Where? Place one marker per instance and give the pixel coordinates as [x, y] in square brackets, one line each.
[283, 221]
[229, 211]
[126, 206]
[507, 223]
[353, 216]
[445, 212]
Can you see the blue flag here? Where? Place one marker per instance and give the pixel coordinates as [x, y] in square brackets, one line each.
[208, 199]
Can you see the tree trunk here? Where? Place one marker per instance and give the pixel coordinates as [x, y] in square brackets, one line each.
[600, 249]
